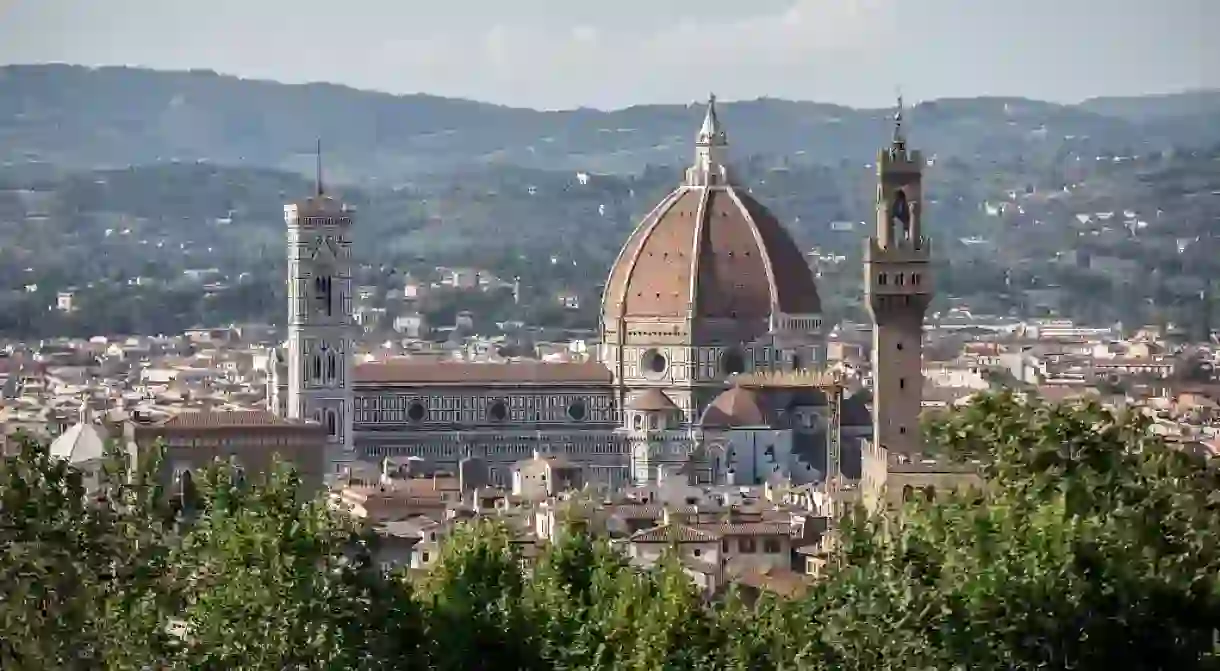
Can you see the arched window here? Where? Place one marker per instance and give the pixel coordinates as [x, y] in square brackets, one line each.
[322, 291]
[332, 366]
[317, 366]
[901, 212]
[908, 493]
[332, 423]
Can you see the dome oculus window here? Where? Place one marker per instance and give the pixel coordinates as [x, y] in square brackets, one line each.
[497, 411]
[732, 363]
[655, 362]
[576, 410]
[416, 411]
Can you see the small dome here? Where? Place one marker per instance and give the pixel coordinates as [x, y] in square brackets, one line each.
[651, 400]
[734, 408]
[83, 442]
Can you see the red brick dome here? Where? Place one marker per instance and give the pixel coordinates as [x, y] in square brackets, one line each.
[709, 250]
[712, 252]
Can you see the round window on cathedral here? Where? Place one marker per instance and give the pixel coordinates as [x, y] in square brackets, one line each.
[497, 411]
[416, 411]
[655, 362]
[576, 410]
[732, 363]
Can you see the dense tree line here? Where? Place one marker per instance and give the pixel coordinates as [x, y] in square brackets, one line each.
[1092, 546]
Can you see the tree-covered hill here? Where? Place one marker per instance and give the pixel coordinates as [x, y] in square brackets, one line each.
[1001, 230]
[79, 117]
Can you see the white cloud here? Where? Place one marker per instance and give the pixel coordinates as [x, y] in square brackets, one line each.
[585, 34]
[593, 64]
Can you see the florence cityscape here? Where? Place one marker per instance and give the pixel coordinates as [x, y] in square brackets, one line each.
[805, 335]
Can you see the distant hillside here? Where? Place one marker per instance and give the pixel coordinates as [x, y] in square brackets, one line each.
[1143, 108]
[81, 118]
[1002, 229]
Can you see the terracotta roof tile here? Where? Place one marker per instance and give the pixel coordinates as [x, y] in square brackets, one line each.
[746, 261]
[231, 419]
[782, 582]
[736, 407]
[675, 533]
[651, 400]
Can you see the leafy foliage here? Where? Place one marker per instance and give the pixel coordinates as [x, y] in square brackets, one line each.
[1094, 545]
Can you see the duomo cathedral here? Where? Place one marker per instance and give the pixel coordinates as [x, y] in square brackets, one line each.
[709, 365]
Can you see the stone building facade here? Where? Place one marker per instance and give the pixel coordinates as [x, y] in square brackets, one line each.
[250, 440]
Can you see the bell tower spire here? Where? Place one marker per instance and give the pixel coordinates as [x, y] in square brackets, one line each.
[320, 320]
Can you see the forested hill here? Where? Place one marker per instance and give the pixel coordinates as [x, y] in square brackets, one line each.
[76, 117]
[999, 235]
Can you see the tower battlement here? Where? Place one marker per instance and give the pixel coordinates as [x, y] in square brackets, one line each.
[310, 213]
[899, 159]
[909, 251]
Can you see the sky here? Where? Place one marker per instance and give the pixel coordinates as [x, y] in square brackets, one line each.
[558, 54]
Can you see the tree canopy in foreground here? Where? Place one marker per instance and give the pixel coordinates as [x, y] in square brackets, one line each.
[1095, 546]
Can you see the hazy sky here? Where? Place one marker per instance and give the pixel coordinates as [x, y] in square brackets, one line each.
[614, 53]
